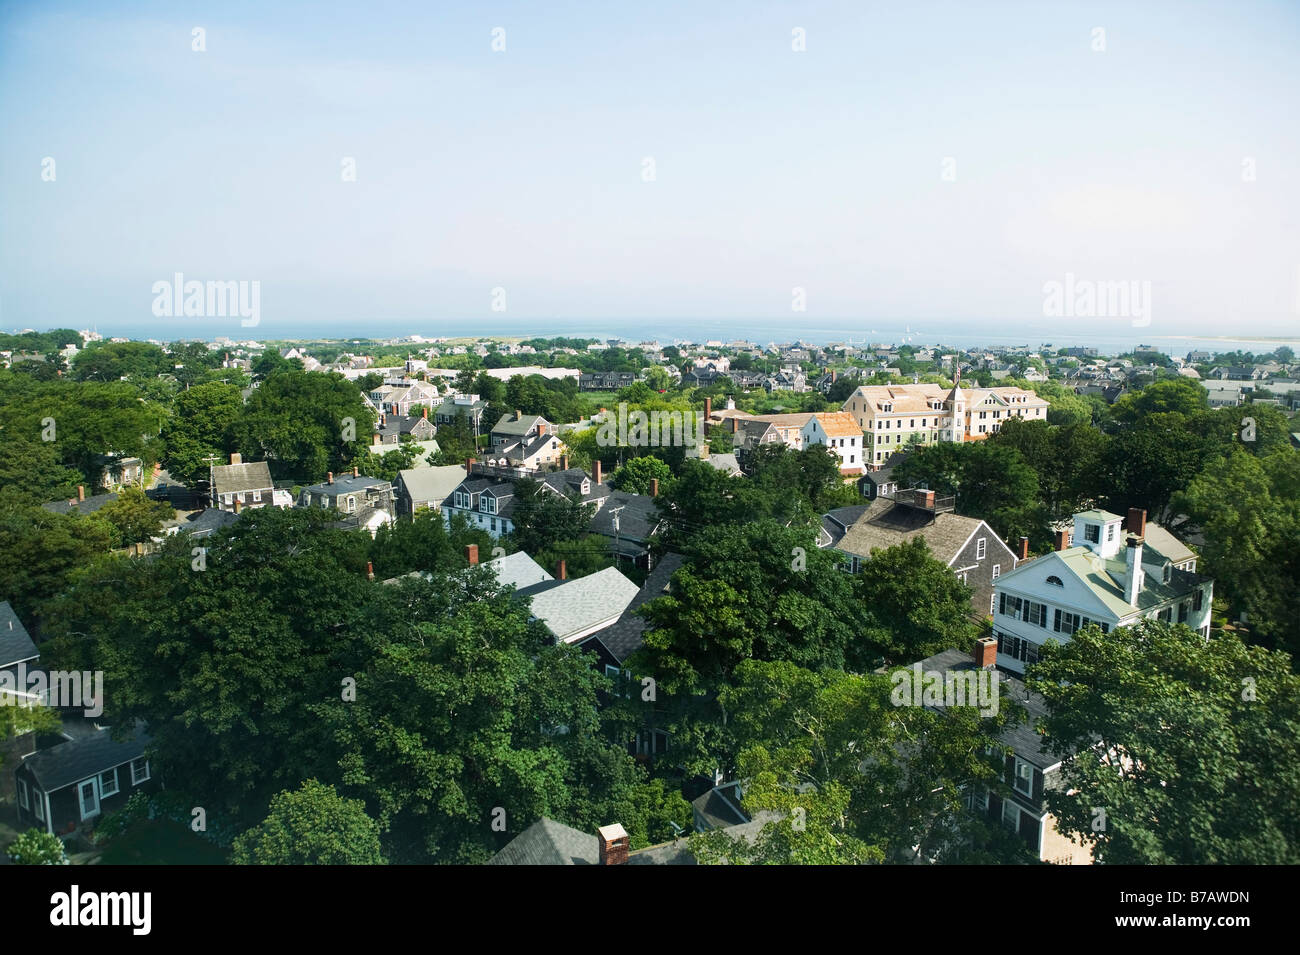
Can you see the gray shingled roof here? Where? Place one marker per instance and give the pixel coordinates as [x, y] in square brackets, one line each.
[518, 570]
[345, 484]
[625, 636]
[75, 760]
[1022, 737]
[432, 483]
[15, 643]
[885, 524]
[568, 607]
[89, 506]
[238, 478]
[547, 842]
[638, 516]
[509, 424]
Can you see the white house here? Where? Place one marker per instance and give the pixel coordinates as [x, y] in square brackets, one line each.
[839, 431]
[1111, 576]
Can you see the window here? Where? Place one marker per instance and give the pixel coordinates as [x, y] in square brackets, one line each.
[1196, 600]
[1068, 622]
[1110, 532]
[352, 503]
[108, 782]
[22, 795]
[1092, 532]
[1010, 815]
[1182, 611]
[993, 603]
[257, 497]
[1055, 581]
[997, 571]
[38, 801]
[494, 523]
[230, 498]
[1024, 781]
[324, 500]
[139, 771]
[981, 548]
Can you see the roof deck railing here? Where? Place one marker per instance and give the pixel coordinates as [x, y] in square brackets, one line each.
[923, 499]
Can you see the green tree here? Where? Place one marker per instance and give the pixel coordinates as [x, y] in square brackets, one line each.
[134, 516]
[199, 429]
[542, 518]
[312, 826]
[1189, 748]
[915, 606]
[635, 476]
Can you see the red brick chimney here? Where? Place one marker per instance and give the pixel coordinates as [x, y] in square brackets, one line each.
[708, 408]
[541, 429]
[564, 462]
[1023, 552]
[469, 466]
[561, 572]
[471, 554]
[735, 425]
[238, 503]
[654, 487]
[1062, 540]
[596, 469]
[986, 653]
[329, 477]
[370, 570]
[426, 412]
[1137, 521]
[81, 492]
[355, 471]
[614, 844]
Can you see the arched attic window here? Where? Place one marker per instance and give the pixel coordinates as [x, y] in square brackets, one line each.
[1055, 581]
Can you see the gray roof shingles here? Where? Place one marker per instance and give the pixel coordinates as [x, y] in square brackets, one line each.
[75, 760]
[16, 644]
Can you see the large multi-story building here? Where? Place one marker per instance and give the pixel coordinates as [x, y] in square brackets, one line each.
[894, 416]
[1102, 579]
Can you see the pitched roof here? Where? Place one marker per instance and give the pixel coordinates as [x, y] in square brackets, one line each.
[885, 524]
[839, 424]
[89, 506]
[518, 570]
[1020, 735]
[15, 643]
[237, 478]
[432, 483]
[509, 424]
[638, 516]
[547, 842]
[568, 608]
[346, 484]
[1105, 580]
[625, 636]
[79, 759]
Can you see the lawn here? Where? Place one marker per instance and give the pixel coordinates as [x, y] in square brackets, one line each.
[161, 842]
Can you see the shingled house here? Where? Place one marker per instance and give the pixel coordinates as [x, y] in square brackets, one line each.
[70, 784]
[248, 485]
[968, 546]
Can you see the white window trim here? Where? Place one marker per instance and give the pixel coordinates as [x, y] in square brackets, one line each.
[981, 548]
[257, 497]
[997, 571]
[38, 798]
[116, 788]
[137, 780]
[23, 799]
[1020, 767]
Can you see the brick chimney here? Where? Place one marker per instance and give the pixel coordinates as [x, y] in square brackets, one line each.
[236, 458]
[561, 571]
[735, 425]
[654, 487]
[370, 570]
[1062, 540]
[81, 492]
[329, 477]
[425, 409]
[596, 469]
[564, 462]
[986, 653]
[1137, 522]
[471, 554]
[469, 466]
[708, 408]
[238, 504]
[355, 471]
[541, 429]
[614, 843]
[1022, 552]
[518, 414]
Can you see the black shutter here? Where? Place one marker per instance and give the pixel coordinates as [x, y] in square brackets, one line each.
[1058, 620]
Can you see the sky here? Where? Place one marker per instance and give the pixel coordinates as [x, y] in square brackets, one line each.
[917, 162]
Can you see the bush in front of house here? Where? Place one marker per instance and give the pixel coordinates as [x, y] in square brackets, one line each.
[35, 847]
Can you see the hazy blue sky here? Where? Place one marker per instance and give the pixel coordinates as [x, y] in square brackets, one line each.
[774, 169]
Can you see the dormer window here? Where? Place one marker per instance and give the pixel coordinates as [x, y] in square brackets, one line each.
[1092, 532]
